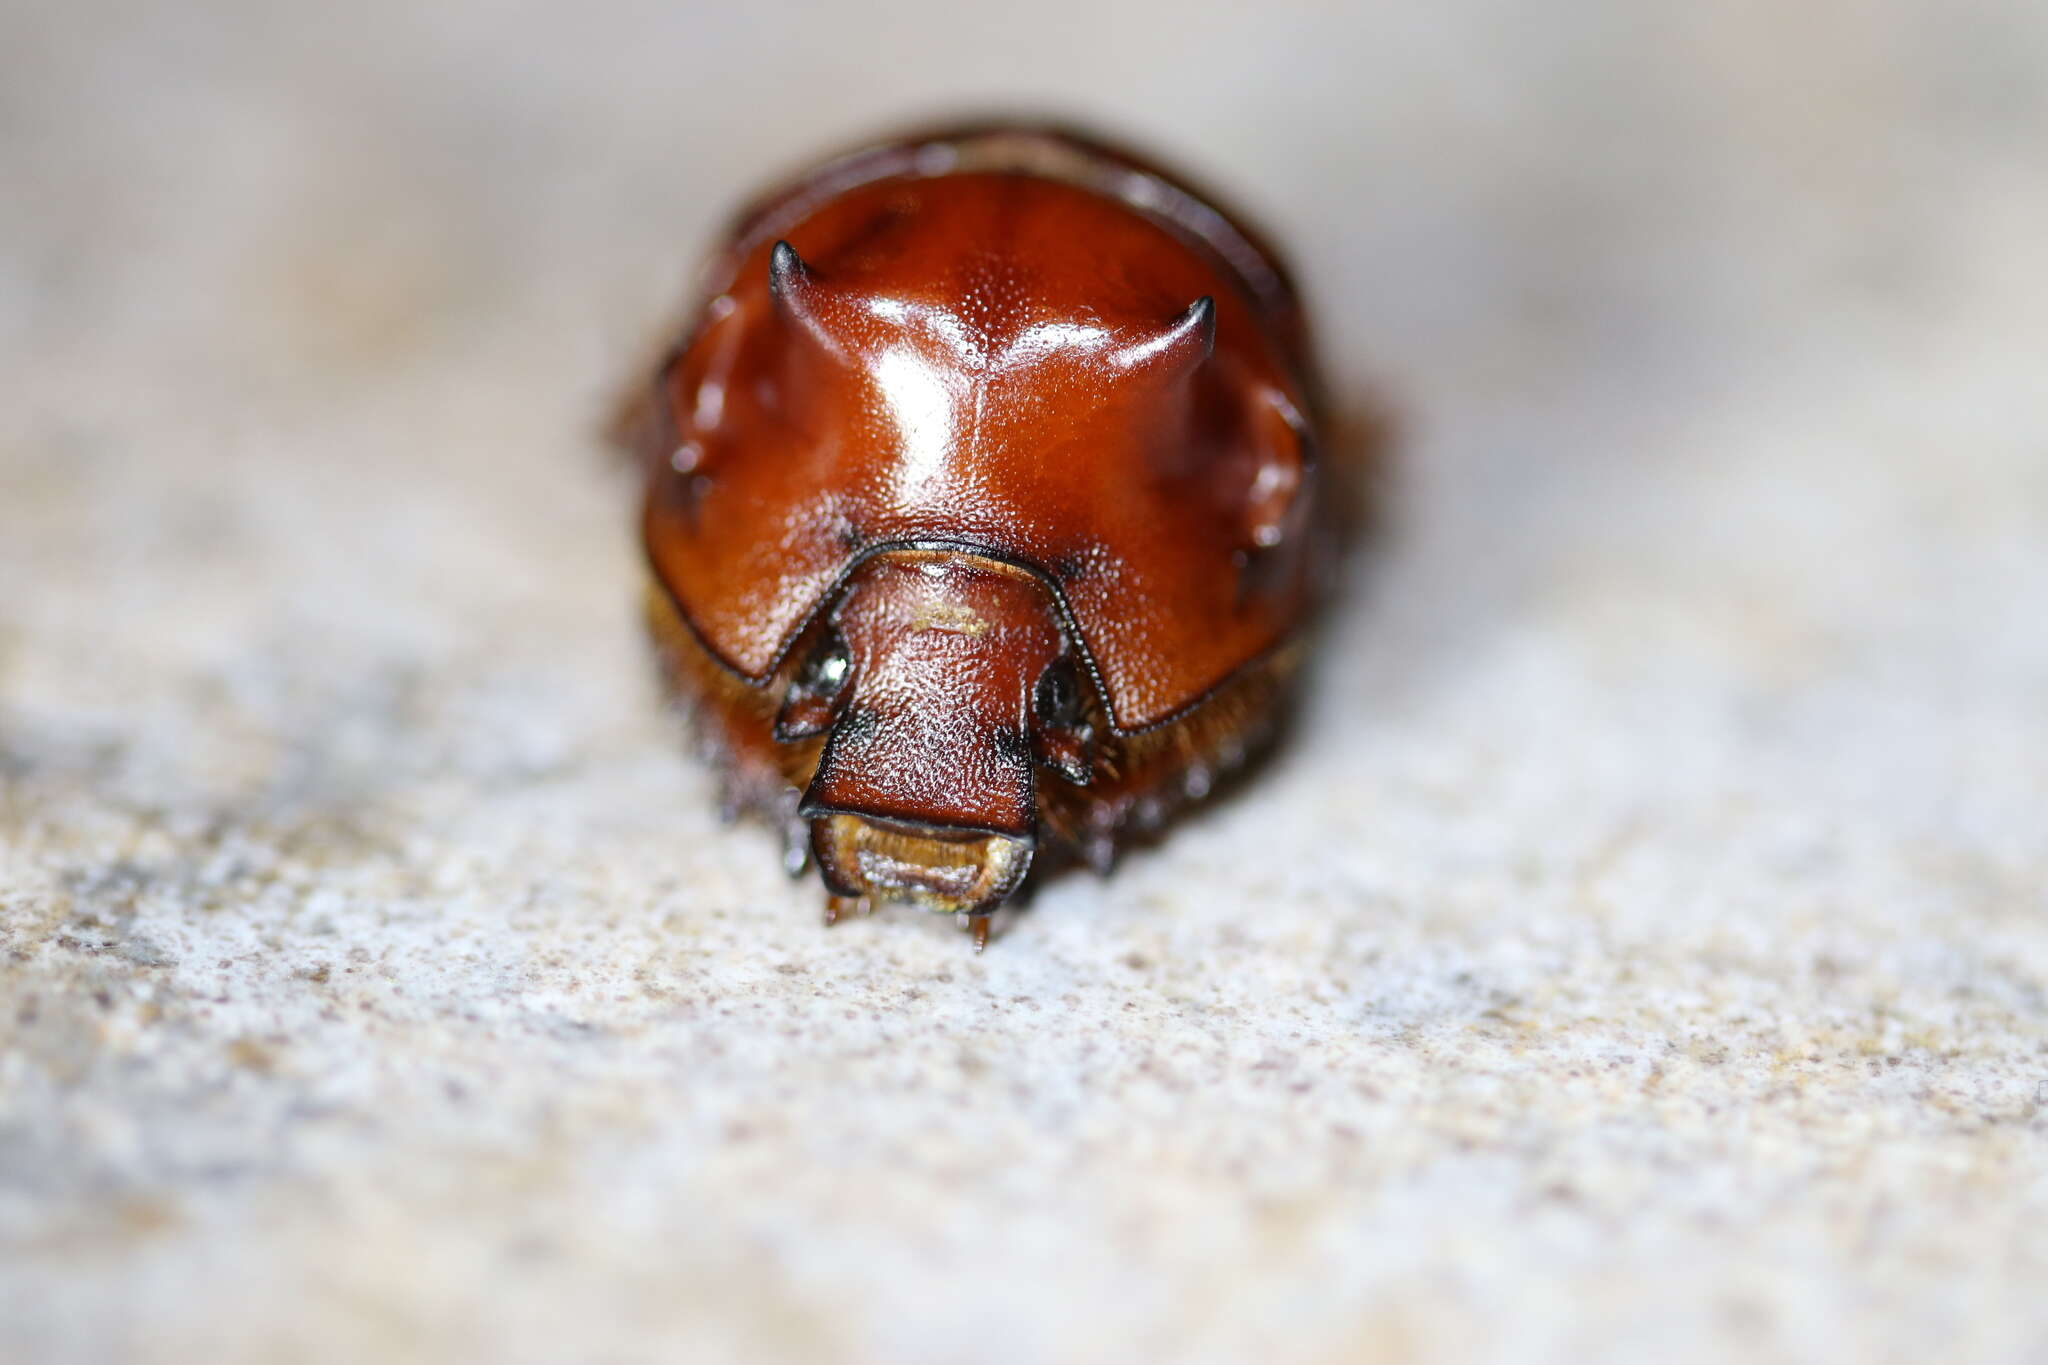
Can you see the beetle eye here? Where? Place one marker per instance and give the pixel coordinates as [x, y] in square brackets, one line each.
[815, 692]
[825, 671]
[1061, 741]
[1058, 695]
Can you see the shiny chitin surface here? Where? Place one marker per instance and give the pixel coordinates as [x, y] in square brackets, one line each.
[983, 508]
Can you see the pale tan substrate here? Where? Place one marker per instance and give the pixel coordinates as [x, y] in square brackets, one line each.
[1638, 953]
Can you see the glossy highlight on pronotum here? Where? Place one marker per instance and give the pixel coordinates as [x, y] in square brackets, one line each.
[984, 510]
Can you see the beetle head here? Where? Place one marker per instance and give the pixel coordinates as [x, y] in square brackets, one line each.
[942, 683]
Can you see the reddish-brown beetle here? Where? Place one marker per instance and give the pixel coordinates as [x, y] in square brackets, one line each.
[983, 509]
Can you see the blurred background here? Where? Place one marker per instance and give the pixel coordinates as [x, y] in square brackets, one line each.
[1646, 951]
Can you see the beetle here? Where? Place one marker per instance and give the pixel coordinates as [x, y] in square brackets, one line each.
[984, 514]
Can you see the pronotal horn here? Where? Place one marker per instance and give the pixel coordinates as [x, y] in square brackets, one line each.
[1185, 344]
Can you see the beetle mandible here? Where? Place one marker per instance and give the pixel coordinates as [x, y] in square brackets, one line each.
[983, 510]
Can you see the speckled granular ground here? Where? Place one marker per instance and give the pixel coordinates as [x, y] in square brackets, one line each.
[1642, 953]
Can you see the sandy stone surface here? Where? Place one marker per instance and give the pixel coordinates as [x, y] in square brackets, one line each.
[1643, 951]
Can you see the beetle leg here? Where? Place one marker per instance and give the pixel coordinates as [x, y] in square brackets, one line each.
[978, 926]
[796, 833]
[838, 907]
[796, 848]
